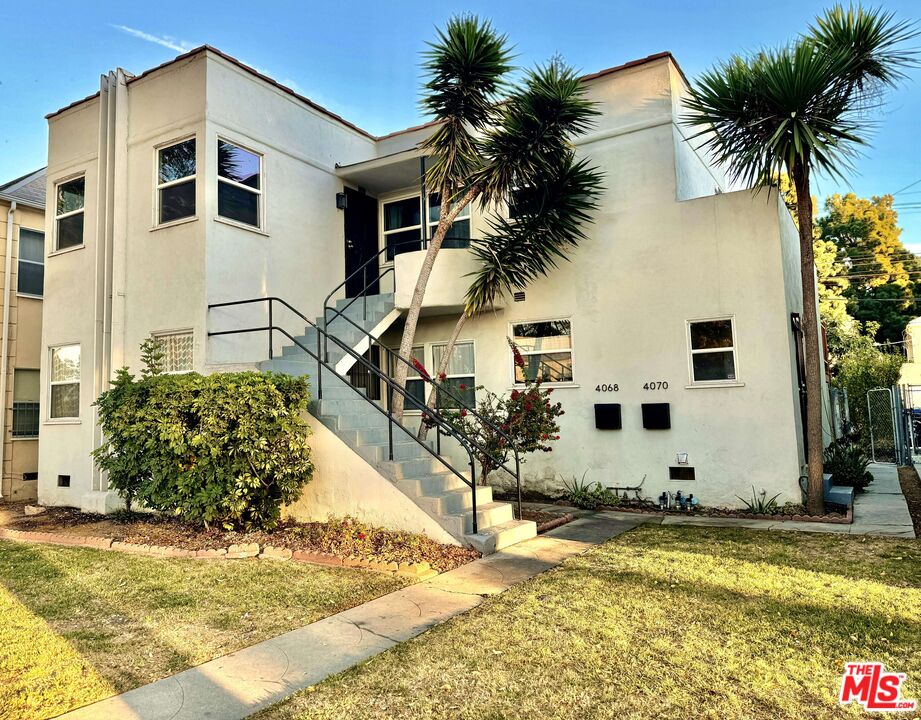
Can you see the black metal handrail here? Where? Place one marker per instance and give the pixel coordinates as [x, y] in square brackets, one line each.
[340, 313]
[433, 417]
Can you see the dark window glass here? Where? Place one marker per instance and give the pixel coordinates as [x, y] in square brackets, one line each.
[466, 395]
[402, 213]
[401, 242]
[31, 280]
[65, 400]
[177, 201]
[70, 231]
[415, 390]
[711, 334]
[237, 164]
[31, 245]
[713, 366]
[177, 161]
[71, 195]
[523, 201]
[458, 235]
[238, 204]
[25, 419]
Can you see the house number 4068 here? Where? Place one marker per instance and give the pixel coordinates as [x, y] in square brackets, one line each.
[606, 387]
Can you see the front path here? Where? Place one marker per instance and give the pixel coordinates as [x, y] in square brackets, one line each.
[239, 684]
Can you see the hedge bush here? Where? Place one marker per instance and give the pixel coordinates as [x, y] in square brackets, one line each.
[227, 448]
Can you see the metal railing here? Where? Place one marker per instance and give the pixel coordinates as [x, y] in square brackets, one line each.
[431, 416]
[395, 357]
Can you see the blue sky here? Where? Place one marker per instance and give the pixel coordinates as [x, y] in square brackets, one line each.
[361, 59]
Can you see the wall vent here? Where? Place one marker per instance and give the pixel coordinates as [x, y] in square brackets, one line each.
[518, 296]
[26, 476]
[63, 480]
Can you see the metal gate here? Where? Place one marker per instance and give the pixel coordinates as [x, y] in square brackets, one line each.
[883, 426]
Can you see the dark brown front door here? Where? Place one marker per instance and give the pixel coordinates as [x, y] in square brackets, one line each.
[360, 244]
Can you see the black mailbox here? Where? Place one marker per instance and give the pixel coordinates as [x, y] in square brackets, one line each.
[656, 416]
[607, 416]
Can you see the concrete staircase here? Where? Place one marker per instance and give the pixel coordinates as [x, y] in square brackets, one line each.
[419, 474]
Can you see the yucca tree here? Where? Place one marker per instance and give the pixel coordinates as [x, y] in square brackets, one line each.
[486, 144]
[799, 109]
[548, 225]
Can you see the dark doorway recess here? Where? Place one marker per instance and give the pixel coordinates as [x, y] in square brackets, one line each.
[360, 243]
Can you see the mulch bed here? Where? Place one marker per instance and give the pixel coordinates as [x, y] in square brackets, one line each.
[338, 538]
[545, 521]
[911, 489]
[835, 517]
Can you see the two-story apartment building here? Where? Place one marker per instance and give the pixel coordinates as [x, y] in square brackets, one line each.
[668, 339]
[22, 243]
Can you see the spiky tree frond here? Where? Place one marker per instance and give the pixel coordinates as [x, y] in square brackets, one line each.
[534, 130]
[514, 253]
[466, 67]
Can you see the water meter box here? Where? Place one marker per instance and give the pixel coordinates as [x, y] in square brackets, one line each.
[657, 416]
[607, 416]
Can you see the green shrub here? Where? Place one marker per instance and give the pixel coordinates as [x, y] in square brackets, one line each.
[860, 370]
[847, 464]
[588, 496]
[227, 448]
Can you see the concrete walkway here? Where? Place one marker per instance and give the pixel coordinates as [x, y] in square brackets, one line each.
[881, 510]
[237, 685]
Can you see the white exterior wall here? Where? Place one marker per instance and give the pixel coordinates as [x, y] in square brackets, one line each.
[663, 250]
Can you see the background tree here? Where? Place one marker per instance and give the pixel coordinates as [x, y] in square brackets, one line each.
[800, 109]
[483, 148]
[882, 276]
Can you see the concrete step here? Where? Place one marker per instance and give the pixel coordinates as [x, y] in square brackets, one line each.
[433, 484]
[454, 501]
[414, 469]
[383, 300]
[403, 449]
[492, 539]
[487, 515]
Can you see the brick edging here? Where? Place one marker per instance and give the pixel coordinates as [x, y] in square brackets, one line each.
[420, 570]
[831, 519]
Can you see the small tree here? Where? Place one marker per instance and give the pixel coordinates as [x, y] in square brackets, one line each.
[861, 369]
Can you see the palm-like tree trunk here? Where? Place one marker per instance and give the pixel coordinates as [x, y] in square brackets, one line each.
[815, 501]
[443, 368]
[415, 306]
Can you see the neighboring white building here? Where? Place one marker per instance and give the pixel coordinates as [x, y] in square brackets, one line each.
[202, 181]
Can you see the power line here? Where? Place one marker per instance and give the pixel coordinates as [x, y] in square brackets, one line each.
[910, 185]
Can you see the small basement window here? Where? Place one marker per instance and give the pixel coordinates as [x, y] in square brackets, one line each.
[30, 476]
[681, 472]
[712, 350]
[63, 480]
[178, 351]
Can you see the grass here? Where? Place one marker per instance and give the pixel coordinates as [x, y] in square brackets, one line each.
[79, 625]
[661, 622]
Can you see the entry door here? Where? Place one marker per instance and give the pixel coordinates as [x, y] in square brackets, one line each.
[360, 243]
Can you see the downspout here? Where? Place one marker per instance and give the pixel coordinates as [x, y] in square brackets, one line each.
[4, 342]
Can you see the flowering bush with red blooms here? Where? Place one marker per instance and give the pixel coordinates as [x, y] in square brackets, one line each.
[527, 420]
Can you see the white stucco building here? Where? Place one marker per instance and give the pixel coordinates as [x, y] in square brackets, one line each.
[202, 181]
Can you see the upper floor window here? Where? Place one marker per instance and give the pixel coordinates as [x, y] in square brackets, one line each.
[402, 226]
[176, 181]
[458, 235]
[712, 349]
[31, 272]
[65, 382]
[239, 187]
[546, 348]
[70, 197]
[177, 350]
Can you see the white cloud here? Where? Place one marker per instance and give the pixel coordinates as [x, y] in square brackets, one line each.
[166, 41]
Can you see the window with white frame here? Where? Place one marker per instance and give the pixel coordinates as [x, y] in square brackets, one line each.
[712, 350]
[70, 198]
[31, 272]
[239, 187]
[458, 235]
[546, 348]
[177, 348]
[176, 181]
[65, 382]
[460, 375]
[402, 226]
[415, 384]
[25, 403]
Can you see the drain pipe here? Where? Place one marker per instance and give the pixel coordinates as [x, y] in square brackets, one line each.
[4, 343]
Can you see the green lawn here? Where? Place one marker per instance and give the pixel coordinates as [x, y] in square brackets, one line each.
[78, 625]
[661, 622]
